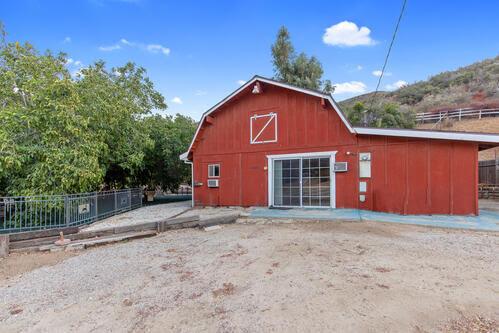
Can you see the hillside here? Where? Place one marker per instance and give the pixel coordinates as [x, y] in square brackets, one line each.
[485, 125]
[476, 85]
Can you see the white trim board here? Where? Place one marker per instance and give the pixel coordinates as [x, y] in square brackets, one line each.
[300, 155]
[475, 137]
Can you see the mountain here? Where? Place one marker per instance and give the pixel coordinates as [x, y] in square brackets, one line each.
[476, 85]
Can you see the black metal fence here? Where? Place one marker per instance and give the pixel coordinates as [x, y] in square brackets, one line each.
[54, 211]
[488, 172]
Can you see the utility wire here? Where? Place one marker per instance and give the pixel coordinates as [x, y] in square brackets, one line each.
[388, 54]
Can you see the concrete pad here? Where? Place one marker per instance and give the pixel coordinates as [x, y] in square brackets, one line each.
[488, 220]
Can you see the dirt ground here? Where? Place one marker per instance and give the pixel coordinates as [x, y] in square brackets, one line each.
[17, 264]
[257, 276]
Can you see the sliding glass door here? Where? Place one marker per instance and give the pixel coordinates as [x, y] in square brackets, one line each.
[287, 182]
[316, 182]
[302, 182]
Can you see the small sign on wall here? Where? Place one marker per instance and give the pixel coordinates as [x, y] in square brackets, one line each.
[84, 209]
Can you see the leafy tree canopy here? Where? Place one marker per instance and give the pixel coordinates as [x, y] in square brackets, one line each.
[65, 134]
[171, 137]
[299, 70]
[385, 115]
[45, 144]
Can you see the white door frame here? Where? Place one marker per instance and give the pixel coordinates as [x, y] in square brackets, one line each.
[332, 174]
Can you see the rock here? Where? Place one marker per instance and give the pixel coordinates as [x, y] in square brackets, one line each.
[213, 227]
[16, 310]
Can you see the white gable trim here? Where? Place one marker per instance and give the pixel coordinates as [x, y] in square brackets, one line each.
[278, 84]
[475, 137]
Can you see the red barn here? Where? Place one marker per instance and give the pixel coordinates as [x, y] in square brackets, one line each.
[273, 144]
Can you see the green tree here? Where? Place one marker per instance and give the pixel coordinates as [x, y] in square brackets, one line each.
[386, 115]
[115, 102]
[171, 137]
[45, 145]
[301, 70]
[64, 134]
[356, 114]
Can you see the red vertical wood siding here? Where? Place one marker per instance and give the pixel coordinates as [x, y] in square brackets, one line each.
[408, 176]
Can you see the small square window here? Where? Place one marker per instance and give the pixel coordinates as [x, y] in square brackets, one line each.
[213, 170]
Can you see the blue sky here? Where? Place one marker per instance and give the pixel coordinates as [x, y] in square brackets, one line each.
[197, 52]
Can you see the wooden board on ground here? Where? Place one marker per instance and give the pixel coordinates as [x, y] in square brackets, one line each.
[225, 219]
[178, 223]
[48, 237]
[87, 243]
[19, 236]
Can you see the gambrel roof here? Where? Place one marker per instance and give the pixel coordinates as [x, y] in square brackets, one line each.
[490, 139]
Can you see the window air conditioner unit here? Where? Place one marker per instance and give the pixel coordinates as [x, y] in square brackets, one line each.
[213, 182]
[340, 166]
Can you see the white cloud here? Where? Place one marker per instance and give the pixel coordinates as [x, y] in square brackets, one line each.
[74, 66]
[155, 48]
[110, 48]
[241, 82]
[377, 73]
[359, 67]
[352, 87]
[177, 100]
[396, 85]
[76, 73]
[124, 41]
[347, 34]
[200, 93]
[67, 40]
[152, 48]
[74, 63]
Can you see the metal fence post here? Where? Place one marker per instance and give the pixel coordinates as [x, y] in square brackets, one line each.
[96, 206]
[115, 201]
[67, 214]
[4, 213]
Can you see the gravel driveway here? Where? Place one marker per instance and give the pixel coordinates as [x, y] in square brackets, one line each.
[142, 215]
[301, 276]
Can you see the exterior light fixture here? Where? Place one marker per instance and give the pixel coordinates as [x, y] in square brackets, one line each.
[257, 89]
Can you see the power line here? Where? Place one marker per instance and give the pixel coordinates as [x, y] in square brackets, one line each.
[388, 54]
